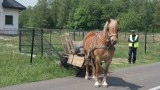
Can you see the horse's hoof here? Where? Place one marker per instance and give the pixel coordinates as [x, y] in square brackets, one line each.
[105, 84]
[93, 77]
[86, 77]
[97, 84]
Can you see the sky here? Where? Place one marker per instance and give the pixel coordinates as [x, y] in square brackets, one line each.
[27, 2]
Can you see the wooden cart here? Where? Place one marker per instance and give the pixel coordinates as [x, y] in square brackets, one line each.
[73, 51]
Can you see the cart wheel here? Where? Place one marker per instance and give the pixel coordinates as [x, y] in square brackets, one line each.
[63, 62]
[82, 71]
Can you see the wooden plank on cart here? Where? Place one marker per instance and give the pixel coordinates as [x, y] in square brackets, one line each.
[70, 42]
[75, 60]
[68, 45]
[70, 59]
[78, 61]
[64, 45]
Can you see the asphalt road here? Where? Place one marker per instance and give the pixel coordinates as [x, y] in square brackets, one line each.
[142, 77]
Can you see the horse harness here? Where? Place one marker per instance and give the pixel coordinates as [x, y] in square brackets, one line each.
[105, 47]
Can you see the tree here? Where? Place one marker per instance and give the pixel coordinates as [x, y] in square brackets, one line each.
[42, 14]
[129, 20]
[81, 19]
[91, 14]
[24, 18]
[135, 5]
[156, 14]
[145, 14]
[86, 16]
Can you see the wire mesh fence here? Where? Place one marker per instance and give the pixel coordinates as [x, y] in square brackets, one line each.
[48, 42]
[149, 45]
[9, 44]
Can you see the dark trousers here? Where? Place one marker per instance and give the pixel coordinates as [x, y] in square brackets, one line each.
[132, 54]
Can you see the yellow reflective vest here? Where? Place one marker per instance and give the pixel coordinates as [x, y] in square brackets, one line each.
[136, 44]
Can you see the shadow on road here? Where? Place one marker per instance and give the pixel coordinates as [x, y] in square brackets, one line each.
[119, 82]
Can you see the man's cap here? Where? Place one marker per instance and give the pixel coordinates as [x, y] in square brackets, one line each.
[132, 30]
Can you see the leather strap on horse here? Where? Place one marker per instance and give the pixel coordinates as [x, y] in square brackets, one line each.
[100, 47]
[91, 50]
[109, 47]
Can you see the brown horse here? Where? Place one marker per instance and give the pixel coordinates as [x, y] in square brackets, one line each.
[99, 46]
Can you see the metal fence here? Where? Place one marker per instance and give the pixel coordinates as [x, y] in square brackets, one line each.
[149, 45]
[48, 42]
[9, 45]
[45, 41]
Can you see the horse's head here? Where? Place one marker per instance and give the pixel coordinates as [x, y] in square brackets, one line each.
[111, 30]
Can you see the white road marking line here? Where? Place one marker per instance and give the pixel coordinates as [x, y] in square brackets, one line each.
[155, 88]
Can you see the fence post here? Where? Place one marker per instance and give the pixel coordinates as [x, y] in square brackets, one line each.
[79, 32]
[50, 40]
[153, 34]
[41, 42]
[50, 36]
[125, 34]
[74, 35]
[33, 34]
[20, 35]
[83, 34]
[145, 44]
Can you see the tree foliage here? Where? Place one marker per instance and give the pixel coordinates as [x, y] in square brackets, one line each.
[129, 20]
[91, 14]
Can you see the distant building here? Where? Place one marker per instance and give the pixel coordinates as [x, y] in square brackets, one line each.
[9, 10]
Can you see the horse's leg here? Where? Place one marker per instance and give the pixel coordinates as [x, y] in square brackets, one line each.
[87, 69]
[93, 70]
[97, 64]
[104, 82]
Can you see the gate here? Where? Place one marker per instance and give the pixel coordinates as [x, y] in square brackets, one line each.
[44, 41]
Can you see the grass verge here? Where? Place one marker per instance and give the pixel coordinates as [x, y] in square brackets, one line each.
[15, 67]
[20, 71]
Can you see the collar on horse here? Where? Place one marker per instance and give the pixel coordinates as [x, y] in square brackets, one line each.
[106, 39]
[108, 45]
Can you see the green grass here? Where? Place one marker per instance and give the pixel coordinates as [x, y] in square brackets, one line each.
[20, 71]
[16, 69]
[152, 54]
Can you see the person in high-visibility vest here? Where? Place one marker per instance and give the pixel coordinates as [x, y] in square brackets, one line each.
[133, 45]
